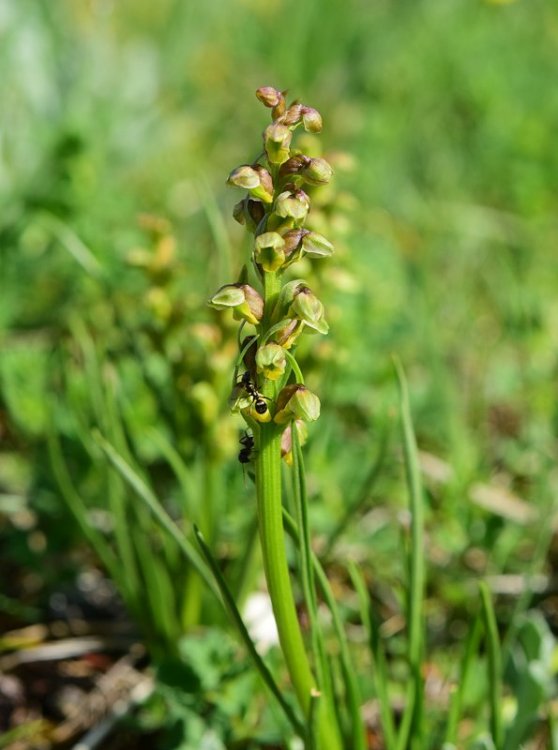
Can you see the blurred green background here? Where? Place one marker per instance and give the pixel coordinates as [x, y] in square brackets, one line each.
[440, 118]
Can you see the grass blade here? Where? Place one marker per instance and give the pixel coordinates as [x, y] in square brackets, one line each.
[379, 675]
[307, 573]
[349, 673]
[494, 667]
[146, 495]
[456, 706]
[411, 724]
[312, 733]
[78, 508]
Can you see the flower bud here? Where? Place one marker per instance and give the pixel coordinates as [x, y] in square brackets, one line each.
[255, 178]
[269, 96]
[311, 119]
[277, 140]
[308, 308]
[317, 172]
[271, 361]
[293, 115]
[244, 177]
[294, 165]
[316, 246]
[249, 213]
[269, 251]
[238, 213]
[286, 297]
[293, 204]
[255, 211]
[265, 190]
[244, 300]
[279, 109]
[289, 333]
[297, 402]
[293, 244]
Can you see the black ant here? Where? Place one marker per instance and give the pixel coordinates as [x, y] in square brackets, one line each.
[259, 401]
[245, 453]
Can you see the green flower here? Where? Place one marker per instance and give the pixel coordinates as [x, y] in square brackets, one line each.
[254, 178]
[317, 172]
[308, 308]
[269, 251]
[246, 303]
[292, 204]
[316, 246]
[311, 119]
[271, 361]
[297, 402]
[277, 140]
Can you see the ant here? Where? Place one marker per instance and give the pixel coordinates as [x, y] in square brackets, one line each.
[245, 453]
[259, 401]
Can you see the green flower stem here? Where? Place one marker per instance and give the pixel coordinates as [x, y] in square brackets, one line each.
[268, 481]
[296, 369]
[272, 537]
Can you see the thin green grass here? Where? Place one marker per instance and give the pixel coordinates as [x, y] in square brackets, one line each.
[412, 724]
[494, 667]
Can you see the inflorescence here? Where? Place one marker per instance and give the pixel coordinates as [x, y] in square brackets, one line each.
[274, 210]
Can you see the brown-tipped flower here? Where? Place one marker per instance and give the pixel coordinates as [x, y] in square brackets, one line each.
[317, 172]
[294, 165]
[297, 402]
[311, 119]
[286, 297]
[244, 177]
[254, 178]
[245, 302]
[287, 335]
[266, 184]
[292, 204]
[269, 96]
[293, 115]
[293, 244]
[238, 212]
[269, 251]
[277, 140]
[255, 210]
[308, 308]
[271, 361]
[249, 212]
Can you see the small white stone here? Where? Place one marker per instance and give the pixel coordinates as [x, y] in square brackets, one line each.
[260, 621]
